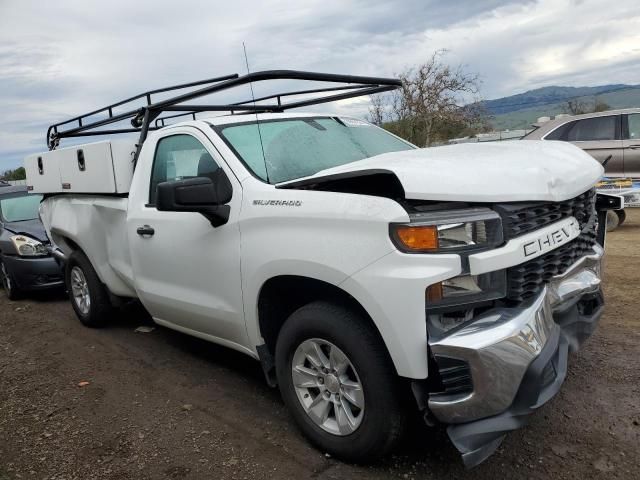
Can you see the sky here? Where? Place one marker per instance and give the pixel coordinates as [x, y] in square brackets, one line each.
[59, 59]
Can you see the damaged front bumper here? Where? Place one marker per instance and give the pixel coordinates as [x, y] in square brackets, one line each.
[514, 359]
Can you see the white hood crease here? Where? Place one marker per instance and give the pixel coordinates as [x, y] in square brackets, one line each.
[513, 171]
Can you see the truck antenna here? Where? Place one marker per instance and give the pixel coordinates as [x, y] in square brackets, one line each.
[253, 97]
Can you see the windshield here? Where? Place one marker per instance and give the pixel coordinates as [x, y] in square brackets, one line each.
[300, 147]
[19, 208]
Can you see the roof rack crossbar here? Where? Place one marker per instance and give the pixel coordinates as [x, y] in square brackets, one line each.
[142, 117]
[220, 108]
[111, 118]
[113, 131]
[191, 110]
[109, 108]
[276, 75]
[160, 122]
[259, 108]
[341, 96]
[301, 92]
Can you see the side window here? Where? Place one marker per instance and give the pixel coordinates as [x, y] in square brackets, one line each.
[589, 129]
[179, 157]
[560, 133]
[634, 126]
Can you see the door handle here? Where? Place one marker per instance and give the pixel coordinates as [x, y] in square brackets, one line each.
[634, 147]
[145, 230]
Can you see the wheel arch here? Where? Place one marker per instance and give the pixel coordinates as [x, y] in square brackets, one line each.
[282, 295]
[65, 243]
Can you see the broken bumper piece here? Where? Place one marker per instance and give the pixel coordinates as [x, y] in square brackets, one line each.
[517, 359]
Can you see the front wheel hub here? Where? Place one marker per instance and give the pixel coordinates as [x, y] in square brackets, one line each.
[328, 386]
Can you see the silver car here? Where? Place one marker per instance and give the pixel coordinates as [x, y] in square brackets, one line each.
[614, 133]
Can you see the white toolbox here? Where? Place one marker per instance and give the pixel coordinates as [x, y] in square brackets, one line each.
[100, 167]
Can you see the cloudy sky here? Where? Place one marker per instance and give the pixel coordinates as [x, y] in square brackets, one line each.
[61, 58]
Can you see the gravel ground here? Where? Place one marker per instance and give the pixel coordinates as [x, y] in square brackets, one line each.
[77, 403]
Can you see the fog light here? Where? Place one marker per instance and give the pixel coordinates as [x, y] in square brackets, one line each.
[467, 289]
[439, 324]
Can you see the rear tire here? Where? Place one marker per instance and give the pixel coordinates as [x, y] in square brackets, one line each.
[622, 216]
[613, 220]
[328, 413]
[9, 283]
[89, 297]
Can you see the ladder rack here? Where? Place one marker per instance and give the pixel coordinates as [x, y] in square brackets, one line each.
[146, 118]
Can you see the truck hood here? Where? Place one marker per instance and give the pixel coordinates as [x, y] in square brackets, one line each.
[527, 170]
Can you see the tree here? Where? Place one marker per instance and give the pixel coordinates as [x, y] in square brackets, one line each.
[600, 106]
[17, 174]
[377, 113]
[430, 104]
[577, 106]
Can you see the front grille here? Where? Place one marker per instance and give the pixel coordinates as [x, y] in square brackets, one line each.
[521, 218]
[527, 280]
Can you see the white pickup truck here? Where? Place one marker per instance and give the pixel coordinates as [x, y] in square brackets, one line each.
[370, 278]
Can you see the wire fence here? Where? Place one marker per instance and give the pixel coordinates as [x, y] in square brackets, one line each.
[492, 136]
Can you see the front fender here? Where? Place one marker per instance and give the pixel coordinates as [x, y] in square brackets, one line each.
[392, 291]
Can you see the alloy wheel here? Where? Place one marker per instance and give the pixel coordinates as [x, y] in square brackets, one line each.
[80, 290]
[328, 386]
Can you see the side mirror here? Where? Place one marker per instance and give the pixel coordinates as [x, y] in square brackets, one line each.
[200, 194]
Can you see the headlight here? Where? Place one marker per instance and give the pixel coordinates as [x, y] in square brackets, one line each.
[448, 231]
[28, 247]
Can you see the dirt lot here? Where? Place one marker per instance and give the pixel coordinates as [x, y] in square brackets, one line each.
[164, 405]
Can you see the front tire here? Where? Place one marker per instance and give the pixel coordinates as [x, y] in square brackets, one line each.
[8, 282]
[89, 297]
[337, 380]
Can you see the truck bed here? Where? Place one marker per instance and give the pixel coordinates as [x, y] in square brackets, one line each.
[98, 225]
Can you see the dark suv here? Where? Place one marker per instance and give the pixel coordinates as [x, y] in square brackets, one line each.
[25, 261]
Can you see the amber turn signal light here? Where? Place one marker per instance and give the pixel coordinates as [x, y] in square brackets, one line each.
[418, 239]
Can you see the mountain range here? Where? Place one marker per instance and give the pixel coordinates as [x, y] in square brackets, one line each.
[521, 110]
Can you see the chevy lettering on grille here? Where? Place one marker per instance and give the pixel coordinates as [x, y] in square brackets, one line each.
[550, 240]
[526, 247]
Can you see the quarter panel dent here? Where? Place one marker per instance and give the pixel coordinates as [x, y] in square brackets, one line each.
[98, 226]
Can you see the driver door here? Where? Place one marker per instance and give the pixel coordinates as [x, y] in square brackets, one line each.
[187, 273]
